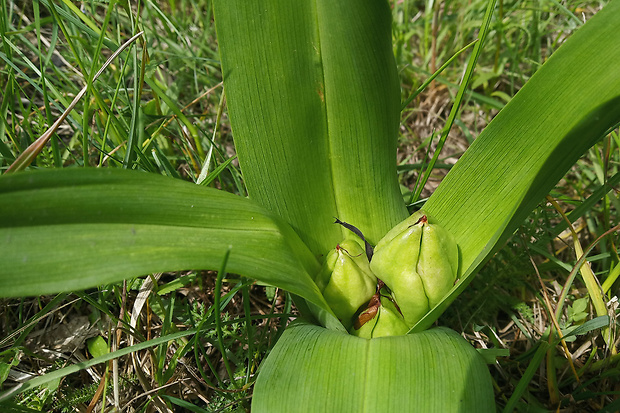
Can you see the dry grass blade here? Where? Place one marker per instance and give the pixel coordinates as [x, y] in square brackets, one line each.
[547, 301]
[592, 284]
[29, 155]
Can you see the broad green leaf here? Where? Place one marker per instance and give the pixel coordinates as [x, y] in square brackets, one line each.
[65, 230]
[313, 98]
[312, 369]
[561, 112]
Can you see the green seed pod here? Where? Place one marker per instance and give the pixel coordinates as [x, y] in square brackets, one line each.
[346, 280]
[418, 261]
[385, 321]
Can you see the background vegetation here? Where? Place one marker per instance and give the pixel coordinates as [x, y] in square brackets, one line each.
[159, 107]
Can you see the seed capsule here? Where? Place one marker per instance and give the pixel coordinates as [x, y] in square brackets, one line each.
[418, 261]
[346, 280]
[380, 319]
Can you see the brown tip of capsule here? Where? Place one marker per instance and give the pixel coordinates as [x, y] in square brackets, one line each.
[340, 248]
[369, 313]
[380, 285]
[423, 220]
[365, 317]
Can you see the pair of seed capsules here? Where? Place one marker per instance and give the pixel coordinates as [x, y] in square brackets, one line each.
[386, 291]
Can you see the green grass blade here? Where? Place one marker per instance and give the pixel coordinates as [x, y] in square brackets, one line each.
[312, 369]
[527, 376]
[69, 230]
[434, 75]
[60, 373]
[193, 131]
[539, 354]
[563, 110]
[313, 98]
[597, 194]
[30, 153]
[473, 59]
[81, 22]
[218, 317]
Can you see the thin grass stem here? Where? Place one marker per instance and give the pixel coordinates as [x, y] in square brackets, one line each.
[484, 29]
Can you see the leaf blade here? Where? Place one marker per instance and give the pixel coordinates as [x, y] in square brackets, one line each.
[509, 167]
[312, 369]
[59, 228]
[315, 128]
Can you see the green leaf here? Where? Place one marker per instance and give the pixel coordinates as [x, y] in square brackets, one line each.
[312, 369]
[187, 406]
[594, 324]
[66, 230]
[561, 112]
[313, 97]
[97, 346]
[490, 355]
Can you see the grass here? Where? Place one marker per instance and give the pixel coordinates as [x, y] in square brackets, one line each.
[158, 107]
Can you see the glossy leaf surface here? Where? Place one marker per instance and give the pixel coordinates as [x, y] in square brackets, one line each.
[313, 369]
[72, 229]
[562, 111]
[313, 98]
